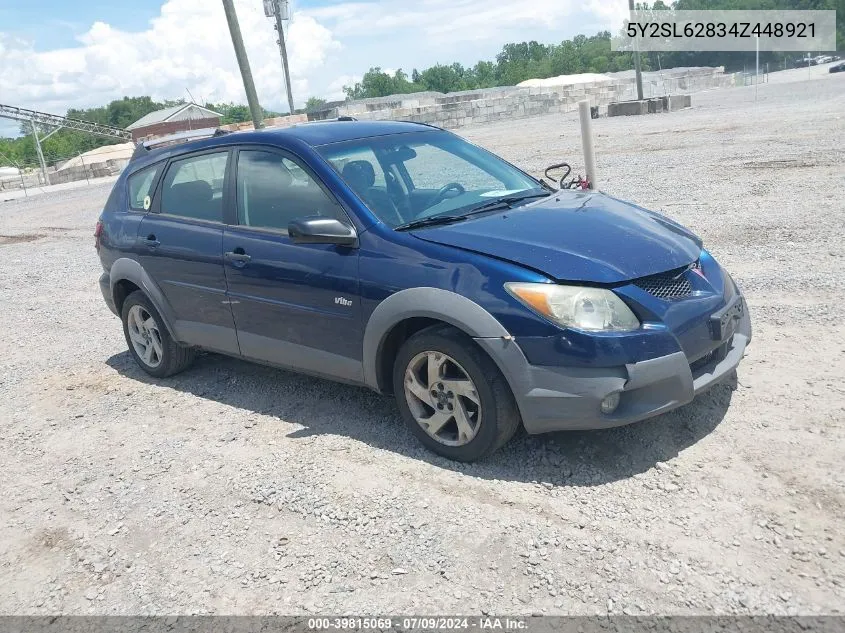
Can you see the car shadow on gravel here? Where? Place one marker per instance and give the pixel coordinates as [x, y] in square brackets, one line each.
[322, 407]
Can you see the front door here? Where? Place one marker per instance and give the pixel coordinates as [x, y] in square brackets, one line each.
[180, 245]
[295, 305]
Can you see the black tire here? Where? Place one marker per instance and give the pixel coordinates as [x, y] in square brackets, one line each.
[500, 416]
[174, 357]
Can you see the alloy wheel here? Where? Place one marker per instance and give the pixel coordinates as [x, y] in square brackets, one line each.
[442, 398]
[144, 335]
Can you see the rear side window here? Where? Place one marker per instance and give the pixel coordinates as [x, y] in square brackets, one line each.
[140, 188]
[193, 187]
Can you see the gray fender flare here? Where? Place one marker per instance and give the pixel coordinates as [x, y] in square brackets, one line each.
[433, 303]
[130, 270]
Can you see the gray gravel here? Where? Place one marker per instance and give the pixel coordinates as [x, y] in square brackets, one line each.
[235, 488]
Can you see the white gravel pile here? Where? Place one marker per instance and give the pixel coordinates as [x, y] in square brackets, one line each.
[120, 151]
[564, 80]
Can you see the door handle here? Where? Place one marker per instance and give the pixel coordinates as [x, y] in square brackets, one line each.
[237, 256]
[150, 241]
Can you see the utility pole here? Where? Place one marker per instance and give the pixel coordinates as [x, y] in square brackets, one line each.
[243, 64]
[278, 9]
[40, 153]
[637, 65]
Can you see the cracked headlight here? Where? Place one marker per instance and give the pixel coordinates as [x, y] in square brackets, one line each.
[580, 307]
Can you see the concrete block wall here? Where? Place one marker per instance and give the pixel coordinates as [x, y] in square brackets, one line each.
[672, 83]
[457, 109]
[279, 121]
[464, 108]
[110, 167]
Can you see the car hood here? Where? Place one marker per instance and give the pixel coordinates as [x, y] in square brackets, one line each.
[576, 236]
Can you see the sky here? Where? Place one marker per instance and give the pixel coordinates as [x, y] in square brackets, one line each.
[55, 54]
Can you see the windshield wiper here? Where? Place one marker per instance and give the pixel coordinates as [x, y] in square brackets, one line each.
[430, 221]
[504, 203]
[500, 203]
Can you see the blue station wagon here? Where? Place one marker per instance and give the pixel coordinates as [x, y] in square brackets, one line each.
[400, 257]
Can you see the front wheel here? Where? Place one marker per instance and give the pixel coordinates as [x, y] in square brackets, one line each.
[452, 396]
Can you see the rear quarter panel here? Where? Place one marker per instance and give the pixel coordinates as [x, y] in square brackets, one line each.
[120, 226]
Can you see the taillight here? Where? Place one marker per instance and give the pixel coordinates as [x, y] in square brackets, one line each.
[98, 231]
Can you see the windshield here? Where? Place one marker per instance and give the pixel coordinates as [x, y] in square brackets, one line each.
[404, 178]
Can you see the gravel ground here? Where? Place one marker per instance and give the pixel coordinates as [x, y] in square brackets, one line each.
[235, 488]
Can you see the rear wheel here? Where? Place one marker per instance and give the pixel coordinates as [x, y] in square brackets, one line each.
[452, 396]
[149, 341]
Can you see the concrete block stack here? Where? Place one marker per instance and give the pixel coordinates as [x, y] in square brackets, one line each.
[457, 109]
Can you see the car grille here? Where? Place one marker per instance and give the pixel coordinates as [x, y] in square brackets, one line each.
[668, 286]
[715, 355]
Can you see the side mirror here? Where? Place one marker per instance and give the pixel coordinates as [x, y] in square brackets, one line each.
[316, 229]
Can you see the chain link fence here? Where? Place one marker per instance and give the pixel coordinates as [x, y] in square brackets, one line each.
[677, 81]
[16, 175]
[749, 76]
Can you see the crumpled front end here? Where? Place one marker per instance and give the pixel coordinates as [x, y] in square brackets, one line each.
[695, 329]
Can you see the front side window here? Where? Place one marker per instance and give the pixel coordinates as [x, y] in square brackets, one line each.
[274, 190]
[193, 187]
[140, 188]
[404, 178]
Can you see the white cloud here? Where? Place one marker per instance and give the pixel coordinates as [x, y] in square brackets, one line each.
[461, 20]
[187, 46]
[334, 91]
[411, 34]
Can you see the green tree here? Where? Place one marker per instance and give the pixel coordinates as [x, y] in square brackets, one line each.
[119, 113]
[377, 83]
[443, 78]
[232, 112]
[314, 103]
[484, 74]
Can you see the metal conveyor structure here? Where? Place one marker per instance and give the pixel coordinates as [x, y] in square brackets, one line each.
[33, 117]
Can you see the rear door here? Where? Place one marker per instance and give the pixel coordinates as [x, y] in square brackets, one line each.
[180, 245]
[295, 305]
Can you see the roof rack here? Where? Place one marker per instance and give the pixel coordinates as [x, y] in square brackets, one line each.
[183, 137]
[340, 118]
[174, 139]
[436, 127]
